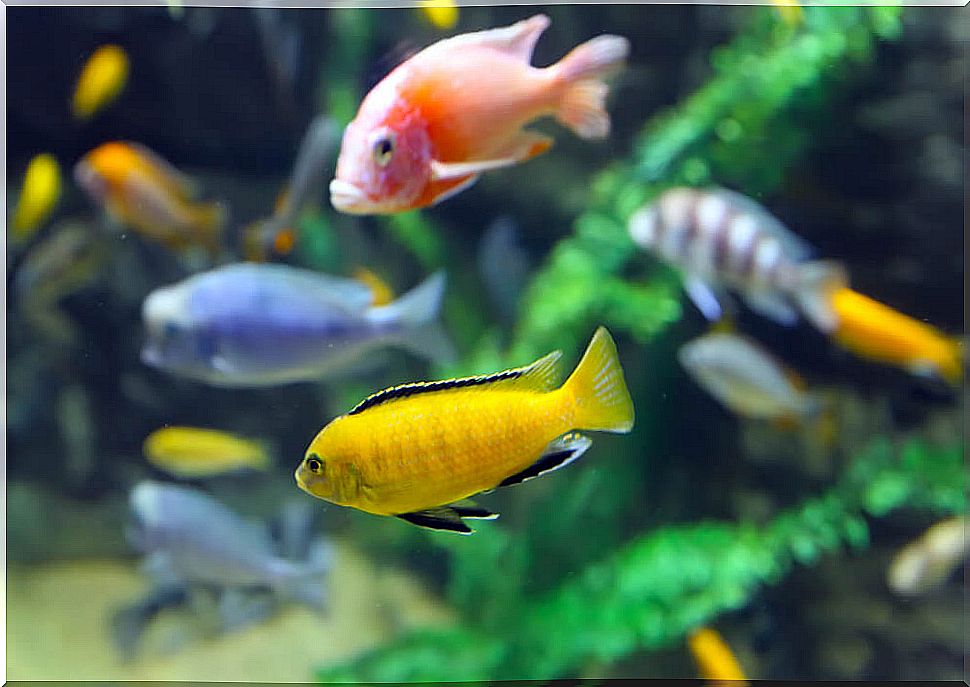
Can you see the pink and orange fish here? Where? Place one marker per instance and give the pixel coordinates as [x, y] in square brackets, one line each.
[458, 108]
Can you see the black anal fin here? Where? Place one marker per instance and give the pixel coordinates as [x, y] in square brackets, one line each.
[466, 508]
[559, 453]
[437, 519]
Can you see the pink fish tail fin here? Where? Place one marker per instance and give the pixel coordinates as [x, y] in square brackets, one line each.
[582, 106]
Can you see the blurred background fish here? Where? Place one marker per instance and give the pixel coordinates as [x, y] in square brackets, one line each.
[504, 266]
[926, 562]
[746, 379]
[719, 238]
[276, 235]
[258, 325]
[876, 332]
[101, 81]
[39, 194]
[714, 658]
[441, 14]
[191, 540]
[142, 191]
[193, 452]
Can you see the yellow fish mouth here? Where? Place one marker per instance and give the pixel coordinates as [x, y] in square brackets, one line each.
[347, 197]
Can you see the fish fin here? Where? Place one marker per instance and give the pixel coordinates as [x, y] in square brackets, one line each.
[442, 518]
[210, 218]
[466, 508]
[559, 453]
[443, 189]
[383, 294]
[418, 306]
[177, 182]
[526, 145]
[430, 342]
[817, 281]
[518, 40]
[539, 376]
[582, 107]
[772, 306]
[453, 171]
[703, 297]
[603, 402]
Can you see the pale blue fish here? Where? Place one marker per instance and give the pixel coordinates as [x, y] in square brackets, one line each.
[248, 325]
[504, 265]
[721, 239]
[190, 538]
[746, 379]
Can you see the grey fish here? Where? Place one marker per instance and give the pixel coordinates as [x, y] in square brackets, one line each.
[719, 238]
[248, 325]
[745, 378]
[191, 538]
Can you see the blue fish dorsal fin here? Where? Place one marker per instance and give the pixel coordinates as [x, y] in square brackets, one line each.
[540, 376]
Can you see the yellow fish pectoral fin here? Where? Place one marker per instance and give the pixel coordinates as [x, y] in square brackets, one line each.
[559, 453]
[449, 518]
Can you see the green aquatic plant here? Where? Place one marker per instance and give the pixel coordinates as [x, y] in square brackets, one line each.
[654, 590]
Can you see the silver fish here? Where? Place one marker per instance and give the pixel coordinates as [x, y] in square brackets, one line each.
[248, 325]
[190, 538]
[719, 238]
[744, 378]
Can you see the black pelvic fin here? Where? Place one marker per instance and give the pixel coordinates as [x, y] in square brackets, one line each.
[558, 453]
[437, 519]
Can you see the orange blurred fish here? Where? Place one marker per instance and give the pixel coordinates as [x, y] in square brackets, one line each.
[141, 190]
[877, 332]
[418, 451]
[458, 108]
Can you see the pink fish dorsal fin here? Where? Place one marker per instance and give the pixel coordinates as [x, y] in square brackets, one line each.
[517, 40]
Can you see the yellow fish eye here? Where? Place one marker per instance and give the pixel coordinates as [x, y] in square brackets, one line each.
[314, 464]
[384, 150]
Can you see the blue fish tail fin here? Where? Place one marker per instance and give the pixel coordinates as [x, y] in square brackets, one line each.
[817, 281]
[308, 587]
[418, 306]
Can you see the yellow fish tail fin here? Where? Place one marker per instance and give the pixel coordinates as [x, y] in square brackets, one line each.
[210, 218]
[582, 106]
[602, 399]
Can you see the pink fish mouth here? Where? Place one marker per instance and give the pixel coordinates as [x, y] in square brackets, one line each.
[346, 197]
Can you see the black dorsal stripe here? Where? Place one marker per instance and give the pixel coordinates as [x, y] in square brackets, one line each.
[405, 390]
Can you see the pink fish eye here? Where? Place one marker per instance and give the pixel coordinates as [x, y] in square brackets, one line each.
[384, 149]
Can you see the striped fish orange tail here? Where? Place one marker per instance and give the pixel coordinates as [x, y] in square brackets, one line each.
[602, 399]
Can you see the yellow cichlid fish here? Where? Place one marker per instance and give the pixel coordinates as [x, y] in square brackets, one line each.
[442, 14]
[102, 79]
[417, 451]
[877, 332]
[191, 452]
[714, 658]
[39, 195]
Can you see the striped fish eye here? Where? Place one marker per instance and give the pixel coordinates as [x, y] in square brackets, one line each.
[384, 150]
[314, 464]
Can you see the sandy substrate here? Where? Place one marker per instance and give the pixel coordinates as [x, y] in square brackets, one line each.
[57, 626]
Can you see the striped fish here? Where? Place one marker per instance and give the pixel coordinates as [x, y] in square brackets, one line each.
[721, 239]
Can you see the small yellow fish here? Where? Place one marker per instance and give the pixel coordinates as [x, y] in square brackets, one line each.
[927, 562]
[102, 79]
[38, 196]
[442, 14]
[191, 452]
[877, 332]
[714, 658]
[790, 11]
[383, 294]
[141, 190]
[417, 451]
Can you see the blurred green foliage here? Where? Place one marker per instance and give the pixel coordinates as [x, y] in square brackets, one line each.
[525, 610]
